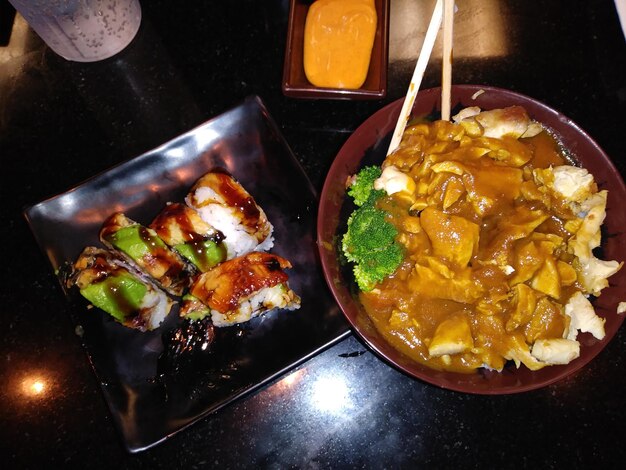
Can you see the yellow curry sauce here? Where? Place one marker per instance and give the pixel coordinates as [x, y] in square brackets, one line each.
[338, 40]
[486, 265]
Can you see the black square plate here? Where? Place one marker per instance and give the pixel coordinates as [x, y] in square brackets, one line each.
[150, 395]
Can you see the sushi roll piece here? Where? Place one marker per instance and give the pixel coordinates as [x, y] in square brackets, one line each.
[109, 284]
[223, 203]
[182, 228]
[240, 289]
[193, 309]
[142, 246]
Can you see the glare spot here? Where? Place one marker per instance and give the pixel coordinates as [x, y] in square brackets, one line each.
[288, 382]
[292, 378]
[331, 394]
[34, 386]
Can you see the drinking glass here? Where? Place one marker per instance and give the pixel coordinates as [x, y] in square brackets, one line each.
[83, 30]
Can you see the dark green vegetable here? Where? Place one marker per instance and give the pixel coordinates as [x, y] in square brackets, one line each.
[363, 185]
[204, 254]
[369, 241]
[193, 309]
[135, 240]
[120, 294]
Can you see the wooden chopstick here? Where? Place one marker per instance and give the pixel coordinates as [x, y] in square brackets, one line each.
[446, 70]
[418, 74]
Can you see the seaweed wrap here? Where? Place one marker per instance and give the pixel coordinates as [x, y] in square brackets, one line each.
[240, 289]
[142, 246]
[182, 228]
[109, 284]
[223, 203]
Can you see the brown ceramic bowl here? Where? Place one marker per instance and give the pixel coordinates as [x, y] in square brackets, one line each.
[295, 83]
[368, 145]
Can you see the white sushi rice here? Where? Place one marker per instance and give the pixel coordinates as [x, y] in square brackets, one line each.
[268, 243]
[238, 241]
[205, 193]
[155, 306]
[266, 299]
[226, 219]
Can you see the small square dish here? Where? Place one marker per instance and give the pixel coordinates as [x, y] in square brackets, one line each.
[153, 391]
[295, 83]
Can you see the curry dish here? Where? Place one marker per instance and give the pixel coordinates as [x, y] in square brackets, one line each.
[497, 229]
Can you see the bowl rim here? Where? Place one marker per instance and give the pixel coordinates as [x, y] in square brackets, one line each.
[378, 137]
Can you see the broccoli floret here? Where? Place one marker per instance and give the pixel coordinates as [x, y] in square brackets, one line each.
[377, 266]
[363, 185]
[370, 243]
[367, 231]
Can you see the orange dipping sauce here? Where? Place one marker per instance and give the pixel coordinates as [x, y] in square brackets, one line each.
[338, 40]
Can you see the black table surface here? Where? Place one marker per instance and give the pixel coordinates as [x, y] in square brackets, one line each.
[62, 122]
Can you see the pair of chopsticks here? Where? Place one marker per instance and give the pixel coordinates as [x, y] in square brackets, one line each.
[444, 10]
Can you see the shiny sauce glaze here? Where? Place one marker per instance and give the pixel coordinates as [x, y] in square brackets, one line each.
[234, 196]
[96, 266]
[158, 260]
[178, 224]
[223, 287]
[237, 197]
[175, 225]
[475, 214]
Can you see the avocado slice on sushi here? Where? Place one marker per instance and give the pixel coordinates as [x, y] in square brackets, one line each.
[142, 246]
[118, 294]
[193, 308]
[182, 228]
[203, 254]
[104, 279]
